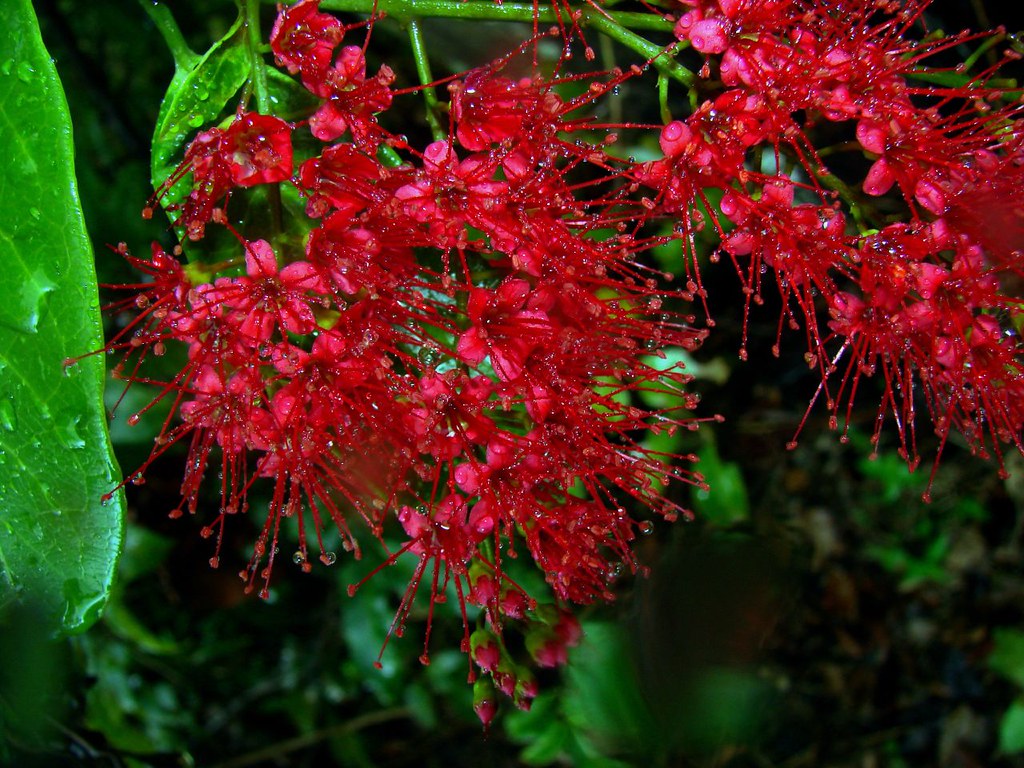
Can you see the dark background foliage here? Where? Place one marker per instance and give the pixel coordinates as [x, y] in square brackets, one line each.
[816, 613]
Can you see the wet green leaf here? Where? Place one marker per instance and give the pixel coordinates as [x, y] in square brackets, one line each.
[196, 97]
[59, 542]
[291, 100]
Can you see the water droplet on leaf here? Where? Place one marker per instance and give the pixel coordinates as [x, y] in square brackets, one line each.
[8, 418]
[26, 72]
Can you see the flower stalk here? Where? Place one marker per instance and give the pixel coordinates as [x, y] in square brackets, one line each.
[421, 57]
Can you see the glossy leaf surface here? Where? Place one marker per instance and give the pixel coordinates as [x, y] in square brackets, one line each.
[59, 541]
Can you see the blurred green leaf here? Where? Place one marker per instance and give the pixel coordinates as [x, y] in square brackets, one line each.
[34, 677]
[368, 627]
[892, 475]
[602, 698]
[727, 502]
[126, 625]
[1011, 729]
[132, 713]
[541, 725]
[59, 541]
[601, 711]
[913, 570]
[144, 551]
[547, 746]
[729, 707]
[1007, 657]
[677, 358]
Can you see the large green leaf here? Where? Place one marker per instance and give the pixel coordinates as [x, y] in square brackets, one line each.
[59, 541]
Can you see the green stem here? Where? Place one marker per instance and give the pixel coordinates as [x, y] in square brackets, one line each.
[986, 45]
[848, 195]
[482, 10]
[615, 24]
[184, 57]
[615, 101]
[254, 41]
[419, 52]
[666, 113]
[656, 54]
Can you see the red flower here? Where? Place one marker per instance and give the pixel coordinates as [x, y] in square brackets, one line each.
[351, 97]
[253, 149]
[259, 150]
[267, 299]
[502, 328]
[303, 39]
[490, 109]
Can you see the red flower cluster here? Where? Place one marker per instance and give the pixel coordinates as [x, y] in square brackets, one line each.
[447, 355]
[450, 345]
[927, 300]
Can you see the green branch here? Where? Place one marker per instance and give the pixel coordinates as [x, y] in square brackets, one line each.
[185, 58]
[482, 10]
[656, 54]
[419, 52]
[257, 69]
[617, 25]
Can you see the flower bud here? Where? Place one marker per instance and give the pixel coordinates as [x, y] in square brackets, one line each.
[485, 649]
[485, 702]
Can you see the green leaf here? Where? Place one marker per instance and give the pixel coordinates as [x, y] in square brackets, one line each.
[727, 502]
[291, 100]
[1007, 657]
[541, 729]
[135, 713]
[196, 97]
[1011, 729]
[729, 707]
[143, 551]
[548, 746]
[603, 701]
[58, 542]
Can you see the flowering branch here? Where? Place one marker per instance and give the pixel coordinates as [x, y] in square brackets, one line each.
[478, 10]
[617, 25]
[456, 346]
